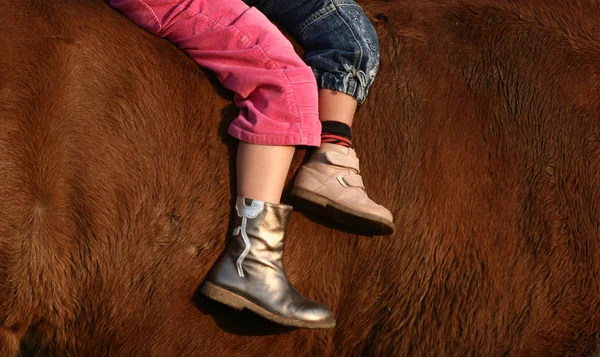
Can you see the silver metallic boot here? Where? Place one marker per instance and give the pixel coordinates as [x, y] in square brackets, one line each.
[249, 273]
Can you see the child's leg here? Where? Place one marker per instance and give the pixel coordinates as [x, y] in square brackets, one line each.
[336, 106]
[261, 170]
[342, 49]
[277, 100]
[277, 95]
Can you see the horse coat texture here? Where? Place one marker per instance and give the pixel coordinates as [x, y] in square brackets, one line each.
[481, 134]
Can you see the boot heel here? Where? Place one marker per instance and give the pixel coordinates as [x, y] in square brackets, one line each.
[221, 295]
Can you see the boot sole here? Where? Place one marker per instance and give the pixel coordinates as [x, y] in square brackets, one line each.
[240, 303]
[361, 222]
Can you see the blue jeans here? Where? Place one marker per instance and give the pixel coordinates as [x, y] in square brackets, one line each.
[340, 42]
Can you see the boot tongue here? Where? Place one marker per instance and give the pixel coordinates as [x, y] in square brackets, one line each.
[249, 208]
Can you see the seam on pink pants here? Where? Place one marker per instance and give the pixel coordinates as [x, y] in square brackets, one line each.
[151, 13]
[285, 123]
[290, 90]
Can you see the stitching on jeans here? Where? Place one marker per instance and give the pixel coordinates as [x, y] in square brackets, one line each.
[328, 10]
[356, 62]
[360, 88]
[333, 82]
[325, 11]
[151, 13]
[334, 7]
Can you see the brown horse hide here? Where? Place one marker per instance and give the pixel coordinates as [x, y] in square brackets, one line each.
[481, 135]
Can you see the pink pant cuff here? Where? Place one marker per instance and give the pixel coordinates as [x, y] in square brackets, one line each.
[313, 139]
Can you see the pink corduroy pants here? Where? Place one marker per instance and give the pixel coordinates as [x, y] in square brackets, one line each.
[275, 90]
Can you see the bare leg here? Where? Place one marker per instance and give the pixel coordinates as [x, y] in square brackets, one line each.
[336, 106]
[262, 170]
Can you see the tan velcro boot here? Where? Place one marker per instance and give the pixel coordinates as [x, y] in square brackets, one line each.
[331, 180]
[249, 273]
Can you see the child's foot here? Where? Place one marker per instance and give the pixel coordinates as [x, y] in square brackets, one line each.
[331, 180]
[249, 274]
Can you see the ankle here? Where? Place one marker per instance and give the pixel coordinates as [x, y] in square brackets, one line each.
[335, 132]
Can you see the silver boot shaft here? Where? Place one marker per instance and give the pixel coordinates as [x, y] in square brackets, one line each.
[250, 274]
[267, 229]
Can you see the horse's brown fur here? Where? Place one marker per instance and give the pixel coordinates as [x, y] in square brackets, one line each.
[481, 134]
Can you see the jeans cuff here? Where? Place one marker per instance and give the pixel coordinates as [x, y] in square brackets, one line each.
[347, 83]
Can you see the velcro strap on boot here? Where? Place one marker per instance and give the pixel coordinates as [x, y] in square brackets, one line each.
[351, 181]
[342, 160]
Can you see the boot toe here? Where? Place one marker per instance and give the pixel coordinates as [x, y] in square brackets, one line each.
[316, 314]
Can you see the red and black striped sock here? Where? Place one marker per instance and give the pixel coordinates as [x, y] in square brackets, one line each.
[335, 132]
